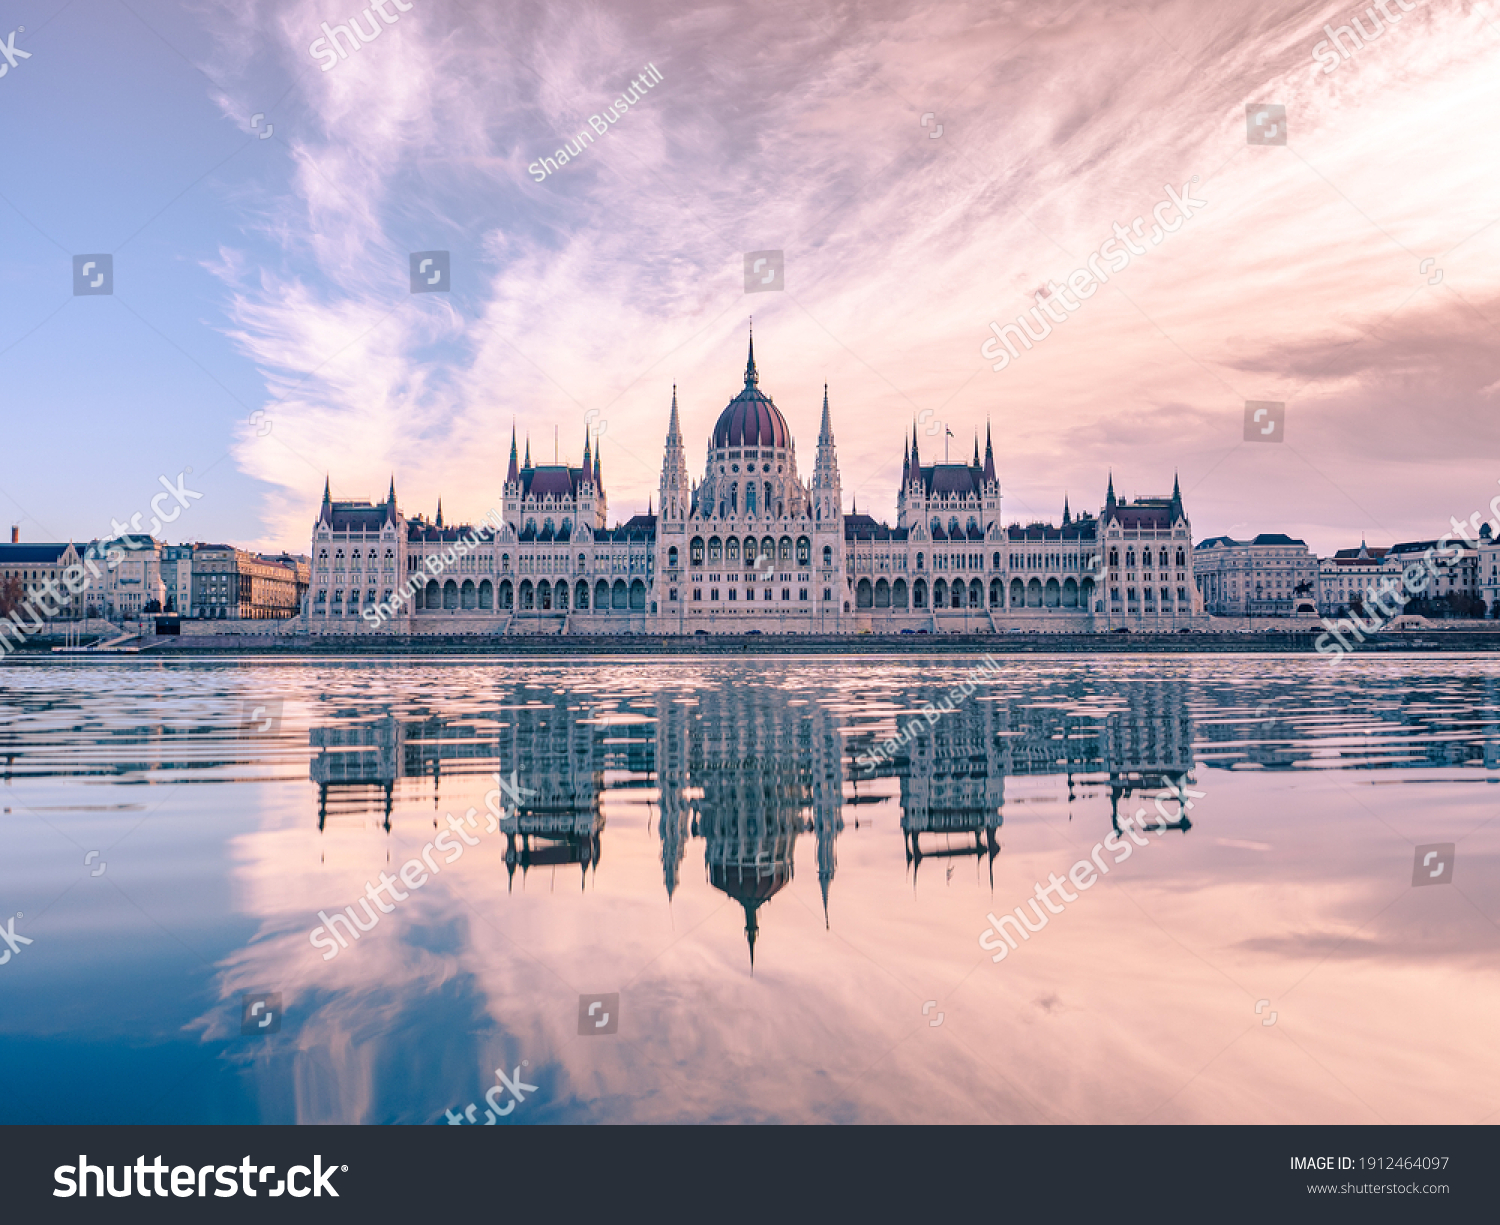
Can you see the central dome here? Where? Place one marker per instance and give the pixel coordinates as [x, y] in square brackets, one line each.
[751, 419]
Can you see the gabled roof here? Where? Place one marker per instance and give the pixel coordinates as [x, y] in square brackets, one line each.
[959, 480]
[357, 516]
[863, 527]
[556, 480]
[637, 528]
[32, 554]
[1082, 528]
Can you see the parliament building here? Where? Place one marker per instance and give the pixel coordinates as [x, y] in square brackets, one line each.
[752, 547]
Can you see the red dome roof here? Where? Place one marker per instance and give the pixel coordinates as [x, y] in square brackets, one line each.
[751, 420]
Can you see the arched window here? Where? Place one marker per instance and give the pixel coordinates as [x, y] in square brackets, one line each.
[750, 498]
[827, 555]
[1181, 560]
[921, 560]
[734, 498]
[1130, 559]
[695, 551]
[804, 551]
[732, 550]
[953, 525]
[1114, 557]
[786, 548]
[937, 527]
[715, 549]
[671, 557]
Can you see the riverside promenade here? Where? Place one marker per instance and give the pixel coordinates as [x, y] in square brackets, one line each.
[544, 646]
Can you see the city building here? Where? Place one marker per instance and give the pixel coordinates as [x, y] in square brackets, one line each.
[130, 584]
[177, 578]
[751, 547]
[33, 566]
[233, 584]
[1452, 590]
[1345, 576]
[1270, 576]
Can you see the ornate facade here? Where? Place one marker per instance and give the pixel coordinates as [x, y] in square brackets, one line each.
[752, 547]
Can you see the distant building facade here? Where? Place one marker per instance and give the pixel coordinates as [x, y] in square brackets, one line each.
[233, 584]
[752, 546]
[1272, 575]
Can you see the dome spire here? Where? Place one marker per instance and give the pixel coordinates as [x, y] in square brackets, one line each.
[752, 378]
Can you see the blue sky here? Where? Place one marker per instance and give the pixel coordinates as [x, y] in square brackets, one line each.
[271, 274]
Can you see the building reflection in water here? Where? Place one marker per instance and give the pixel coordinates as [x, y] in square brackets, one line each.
[749, 768]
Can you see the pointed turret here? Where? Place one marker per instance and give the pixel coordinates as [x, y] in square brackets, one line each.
[752, 378]
[989, 454]
[916, 460]
[675, 486]
[827, 486]
[588, 458]
[513, 472]
[975, 462]
[905, 463]
[391, 496]
[1109, 498]
[1066, 517]
[526, 466]
[598, 472]
[1176, 511]
[440, 513]
[752, 929]
[325, 512]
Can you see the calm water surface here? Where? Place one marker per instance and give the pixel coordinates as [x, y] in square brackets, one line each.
[789, 935]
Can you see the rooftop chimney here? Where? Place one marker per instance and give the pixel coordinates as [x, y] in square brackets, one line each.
[15, 533]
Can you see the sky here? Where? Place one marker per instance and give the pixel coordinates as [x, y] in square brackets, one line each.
[925, 169]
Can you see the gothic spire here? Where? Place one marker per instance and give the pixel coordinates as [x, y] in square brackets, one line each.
[440, 512]
[588, 460]
[526, 467]
[598, 477]
[975, 462]
[674, 426]
[512, 473]
[1066, 517]
[327, 497]
[989, 454]
[752, 378]
[825, 431]
[391, 496]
